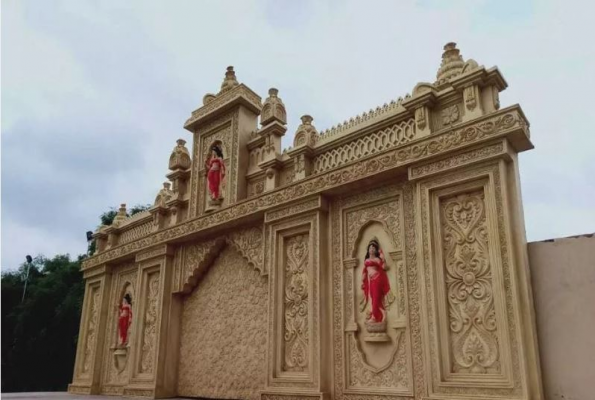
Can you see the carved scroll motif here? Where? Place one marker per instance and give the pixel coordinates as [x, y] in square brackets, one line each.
[92, 329]
[296, 304]
[472, 317]
[147, 363]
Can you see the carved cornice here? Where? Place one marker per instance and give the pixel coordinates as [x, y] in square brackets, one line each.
[157, 251]
[509, 122]
[303, 206]
[463, 159]
[240, 94]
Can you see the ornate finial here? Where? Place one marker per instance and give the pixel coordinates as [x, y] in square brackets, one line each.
[180, 157]
[230, 80]
[164, 195]
[306, 133]
[306, 119]
[120, 216]
[452, 62]
[273, 109]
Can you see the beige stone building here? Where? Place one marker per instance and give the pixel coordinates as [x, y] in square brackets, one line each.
[384, 258]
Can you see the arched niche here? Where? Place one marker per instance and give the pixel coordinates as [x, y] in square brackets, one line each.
[376, 350]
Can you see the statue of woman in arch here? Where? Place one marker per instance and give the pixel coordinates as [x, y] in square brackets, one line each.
[215, 171]
[124, 319]
[375, 283]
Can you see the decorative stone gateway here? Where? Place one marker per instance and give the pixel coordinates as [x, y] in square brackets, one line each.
[384, 258]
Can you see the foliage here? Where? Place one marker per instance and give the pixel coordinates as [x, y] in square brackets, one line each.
[39, 334]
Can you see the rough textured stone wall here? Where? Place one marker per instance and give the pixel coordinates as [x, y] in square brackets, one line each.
[224, 332]
[563, 275]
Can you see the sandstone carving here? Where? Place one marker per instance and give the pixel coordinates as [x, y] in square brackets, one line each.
[381, 258]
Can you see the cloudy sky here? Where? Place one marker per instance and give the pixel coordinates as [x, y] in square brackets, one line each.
[95, 93]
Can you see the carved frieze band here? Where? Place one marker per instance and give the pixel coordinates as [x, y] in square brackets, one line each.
[154, 252]
[501, 123]
[311, 204]
[460, 160]
[96, 271]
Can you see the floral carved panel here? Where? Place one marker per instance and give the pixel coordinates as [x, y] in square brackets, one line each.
[91, 329]
[469, 317]
[469, 289]
[296, 342]
[149, 327]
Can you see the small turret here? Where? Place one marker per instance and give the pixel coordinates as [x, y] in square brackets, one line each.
[273, 109]
[229, 81]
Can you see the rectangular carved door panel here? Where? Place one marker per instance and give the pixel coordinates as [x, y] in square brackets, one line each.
[468, 315]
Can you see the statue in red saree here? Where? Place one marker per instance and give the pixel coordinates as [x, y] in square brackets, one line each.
[124, 319]
[215, 171]
[375, 281]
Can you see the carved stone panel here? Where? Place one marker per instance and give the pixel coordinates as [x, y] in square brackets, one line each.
[116, 360]
[294, 325]
[149, 333]
[372, 345]
[473, 328]
[146, 340]
[91, 331]
[470, 320]
[224, 332]
[295, 346]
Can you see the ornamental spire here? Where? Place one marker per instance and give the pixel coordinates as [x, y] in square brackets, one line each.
[452, 62]
[230, 80]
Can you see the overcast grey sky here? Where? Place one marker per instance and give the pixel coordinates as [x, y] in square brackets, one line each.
[95, 93]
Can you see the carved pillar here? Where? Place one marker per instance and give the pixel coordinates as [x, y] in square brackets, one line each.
[87, 368]
[180, 165]
[151, 327]
[274, 119]
[303, 148]
[480, 89]
[299, 314]
[101, 239]
[420, 105]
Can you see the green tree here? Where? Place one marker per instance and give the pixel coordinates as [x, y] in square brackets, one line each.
[39, 334]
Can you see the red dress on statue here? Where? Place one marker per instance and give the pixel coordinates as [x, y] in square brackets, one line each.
[375, 286]
[216, 173]
[124, 322]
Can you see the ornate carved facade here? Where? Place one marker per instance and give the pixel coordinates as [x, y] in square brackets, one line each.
[383, 258]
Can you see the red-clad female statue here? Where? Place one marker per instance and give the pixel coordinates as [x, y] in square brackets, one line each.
[215, 171]
[375, 280]
[125, 319]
